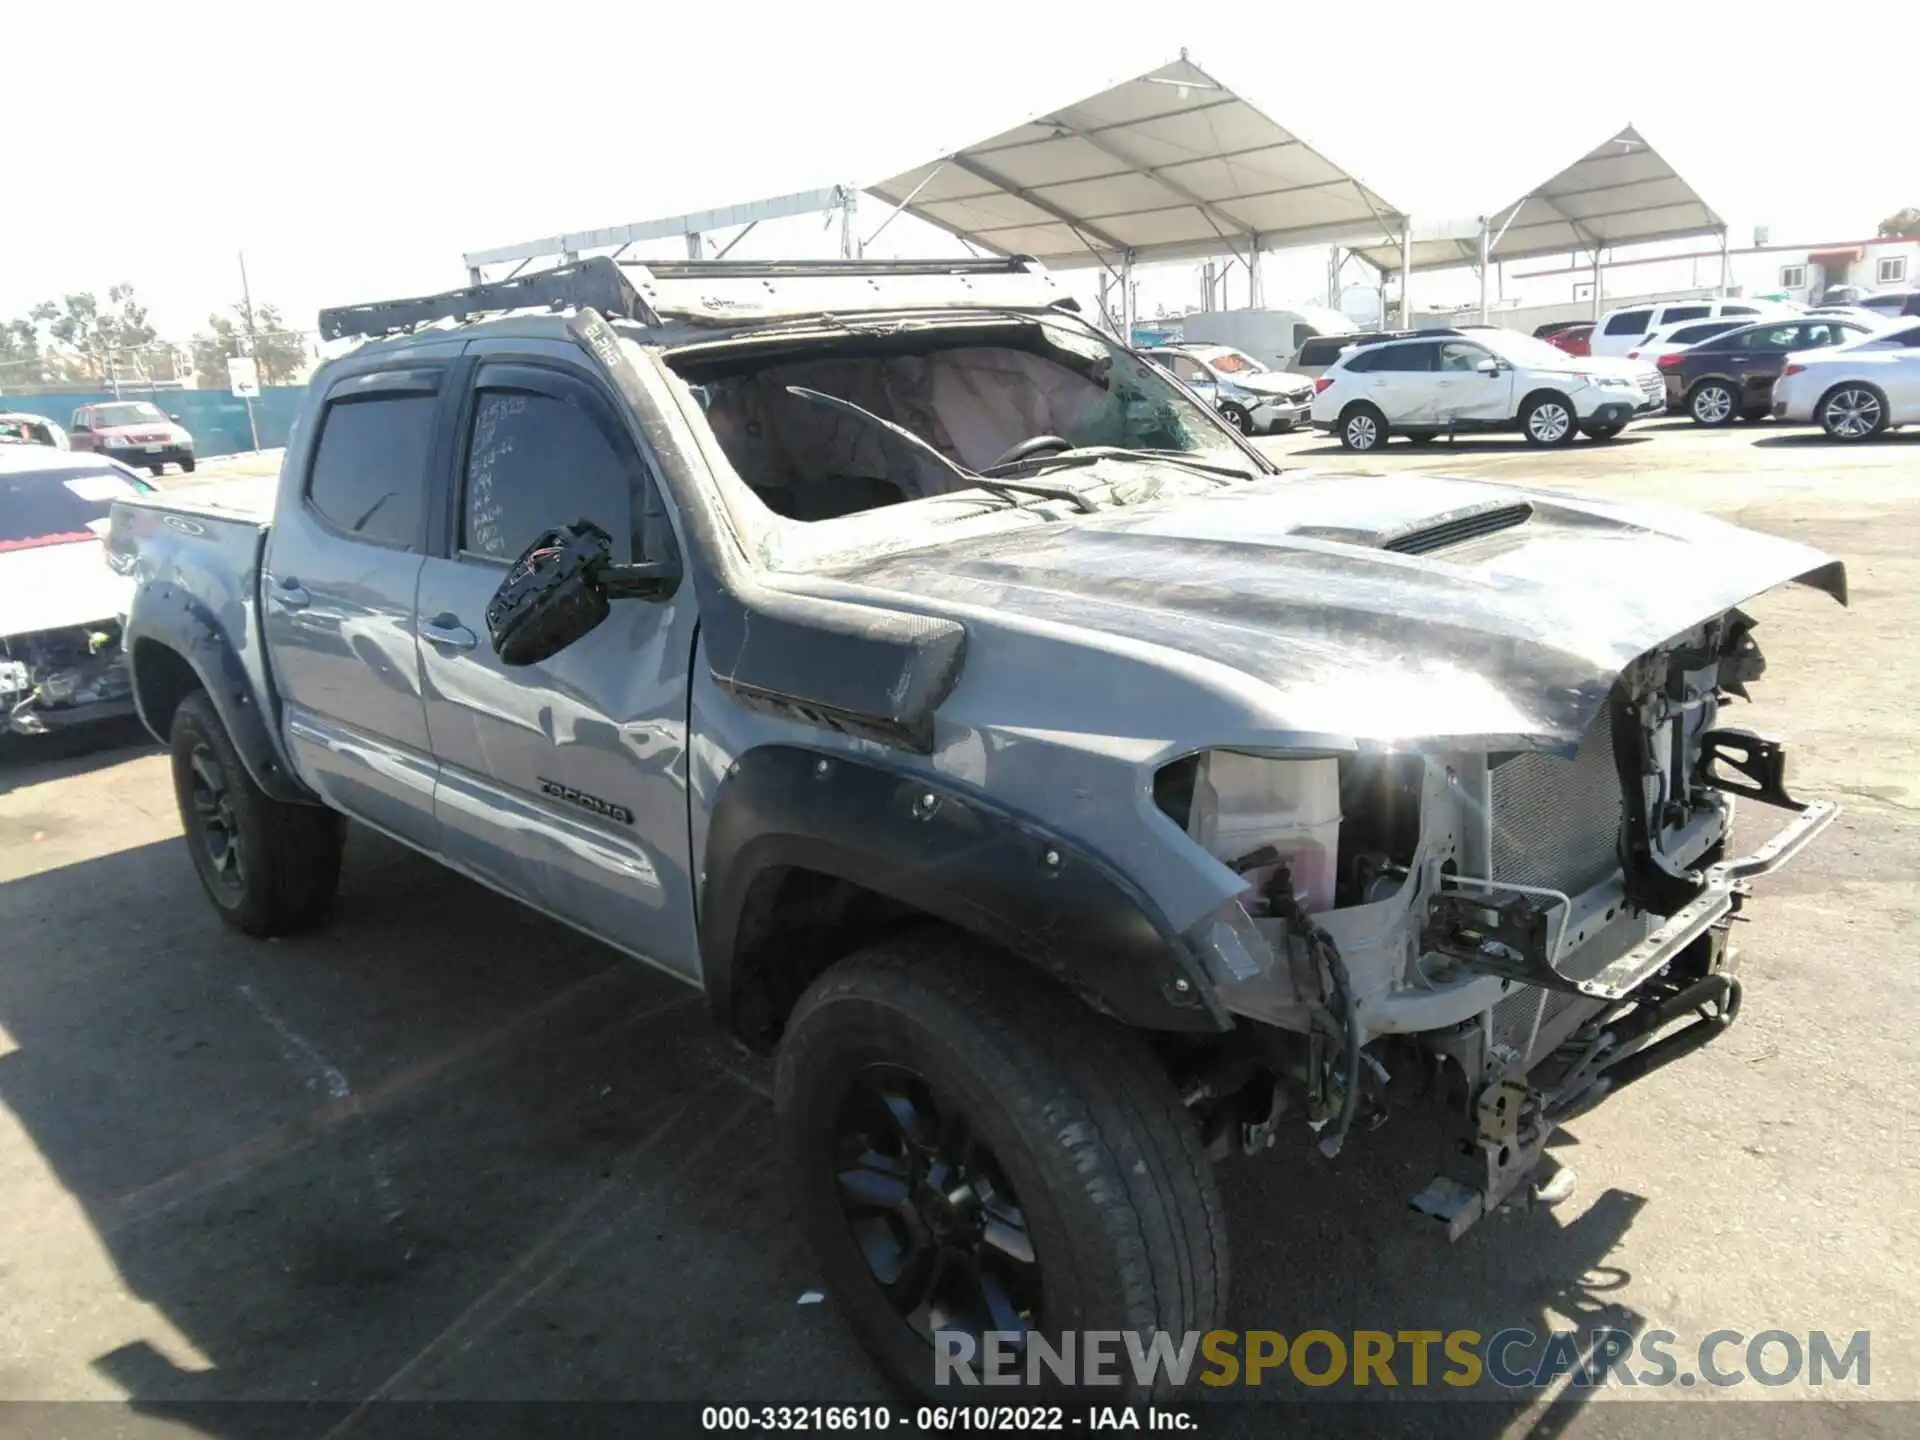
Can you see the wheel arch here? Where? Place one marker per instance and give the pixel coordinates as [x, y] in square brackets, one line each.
[1546, 392]
[170, 661]
[810, 855]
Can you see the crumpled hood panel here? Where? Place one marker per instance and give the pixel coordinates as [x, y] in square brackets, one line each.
[1513, 637]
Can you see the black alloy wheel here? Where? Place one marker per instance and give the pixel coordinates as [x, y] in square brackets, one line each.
[930, 1209]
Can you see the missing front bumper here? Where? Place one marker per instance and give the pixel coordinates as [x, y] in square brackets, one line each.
[1509, 932]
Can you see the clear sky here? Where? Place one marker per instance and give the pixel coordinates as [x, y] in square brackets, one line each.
[355, 150]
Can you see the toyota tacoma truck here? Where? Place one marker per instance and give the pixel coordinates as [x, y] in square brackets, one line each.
[1064, 795]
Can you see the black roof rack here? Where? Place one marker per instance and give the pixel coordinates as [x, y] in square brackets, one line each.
[594, 283]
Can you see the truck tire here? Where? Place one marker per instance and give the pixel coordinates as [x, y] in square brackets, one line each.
[973, 1149]
[270, 868]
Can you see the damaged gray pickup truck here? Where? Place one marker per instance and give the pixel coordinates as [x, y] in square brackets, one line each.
[1067, 796]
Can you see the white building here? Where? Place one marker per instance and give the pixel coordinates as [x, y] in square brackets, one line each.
[1867, 264]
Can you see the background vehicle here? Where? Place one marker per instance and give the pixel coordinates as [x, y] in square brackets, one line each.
[1254, 399]
[1857, 391]
[1621, 330]
[1892, 303]
[1272, 337]
[1576, 339]
[1555, 327]
[655, 625]
[1453, 382]
[1312, 358]
[60, 605]
[134, 432]
[1730, 377]
[29, 429]
[1681, 337]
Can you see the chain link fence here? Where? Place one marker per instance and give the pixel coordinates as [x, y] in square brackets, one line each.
[282, 357]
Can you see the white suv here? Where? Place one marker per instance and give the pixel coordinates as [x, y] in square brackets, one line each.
[1450, 382]
[1621, 330]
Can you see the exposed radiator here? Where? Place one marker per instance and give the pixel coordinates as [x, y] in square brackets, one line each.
[1557, 821]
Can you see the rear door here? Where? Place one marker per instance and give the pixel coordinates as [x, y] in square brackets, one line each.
[343, 560]
[565, 783]
[1620, 332]
[1763, 355]
[1402, 381]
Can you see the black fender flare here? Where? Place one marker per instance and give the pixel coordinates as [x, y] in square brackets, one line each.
[182, 625]
[952, 854]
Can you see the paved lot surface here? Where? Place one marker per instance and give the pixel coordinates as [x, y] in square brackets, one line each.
[446, 1149]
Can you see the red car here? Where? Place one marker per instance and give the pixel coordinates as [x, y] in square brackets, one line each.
[134, 432]
[1574, 339]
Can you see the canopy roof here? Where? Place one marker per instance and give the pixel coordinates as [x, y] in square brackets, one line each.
[1169, 165]
[1622, 192]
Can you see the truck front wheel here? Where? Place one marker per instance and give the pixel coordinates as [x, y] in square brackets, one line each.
[269, 867]
[975, 1151]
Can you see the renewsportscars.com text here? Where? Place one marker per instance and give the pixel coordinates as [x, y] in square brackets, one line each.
[1516, 1359]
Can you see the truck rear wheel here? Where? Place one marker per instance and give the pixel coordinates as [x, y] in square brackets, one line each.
[269, 867]
[974, 1151]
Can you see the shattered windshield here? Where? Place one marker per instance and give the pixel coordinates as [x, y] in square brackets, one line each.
[59, 507]
[824, 426]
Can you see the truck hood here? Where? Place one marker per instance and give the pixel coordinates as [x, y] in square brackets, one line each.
[51, 587]
[1370, 611]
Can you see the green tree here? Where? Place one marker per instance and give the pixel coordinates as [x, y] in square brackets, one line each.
[1902, 223]
[80, 335]
[279, 354]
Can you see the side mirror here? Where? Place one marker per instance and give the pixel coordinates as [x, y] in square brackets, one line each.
[1488, 366]
[560, 589]
[173, 417]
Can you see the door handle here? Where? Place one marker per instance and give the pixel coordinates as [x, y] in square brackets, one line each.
[446, 631]
[292, 595]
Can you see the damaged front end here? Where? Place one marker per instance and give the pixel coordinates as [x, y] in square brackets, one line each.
[1513, 934]
[68, 676]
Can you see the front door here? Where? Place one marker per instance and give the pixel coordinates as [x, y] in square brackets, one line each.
[343, 559]
[1470, 396]
[563, 783]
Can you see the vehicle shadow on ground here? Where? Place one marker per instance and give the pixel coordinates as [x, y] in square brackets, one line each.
[445, 1149]
[1817, 436]
[59, 754]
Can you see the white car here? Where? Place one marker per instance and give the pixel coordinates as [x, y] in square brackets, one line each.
[1854, 391]
[1254, 399]
[60, 603]
[1622, 330]
[1674, 338]
[1450, 382]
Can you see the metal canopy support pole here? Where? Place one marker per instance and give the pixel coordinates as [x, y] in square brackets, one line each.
[1725, 275]
[693, 244]
[1256, 291]
[1486, 246]
[1596, 282]
[1406, 275]
[1126, 298]
[849, 244]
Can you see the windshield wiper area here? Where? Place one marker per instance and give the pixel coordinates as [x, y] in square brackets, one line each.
[967, 478]
[1094, 454]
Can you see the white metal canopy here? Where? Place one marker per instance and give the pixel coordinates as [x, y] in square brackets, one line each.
[1170, 165]
[1622, 192]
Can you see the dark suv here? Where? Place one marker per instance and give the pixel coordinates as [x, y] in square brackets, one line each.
[1731, 376]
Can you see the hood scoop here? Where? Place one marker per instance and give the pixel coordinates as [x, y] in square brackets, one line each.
[1432, 532]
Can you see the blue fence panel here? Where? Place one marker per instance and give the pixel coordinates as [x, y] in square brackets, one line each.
[216, 419]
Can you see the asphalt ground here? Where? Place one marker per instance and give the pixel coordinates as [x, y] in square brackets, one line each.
[444, 1149]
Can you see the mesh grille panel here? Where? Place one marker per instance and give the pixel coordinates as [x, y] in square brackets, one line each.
[1556, 821]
